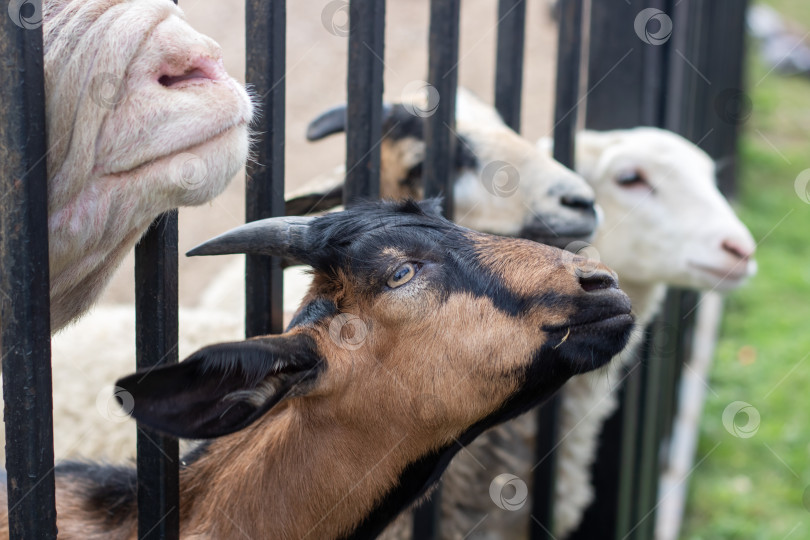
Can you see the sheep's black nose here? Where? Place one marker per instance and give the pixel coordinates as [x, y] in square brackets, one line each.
[578, 202]
[598, 280]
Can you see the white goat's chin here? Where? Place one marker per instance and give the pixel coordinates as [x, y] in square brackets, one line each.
[198, 173]
[723, 278]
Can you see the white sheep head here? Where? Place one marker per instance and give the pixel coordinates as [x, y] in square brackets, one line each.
[141, 118]
[665, 220]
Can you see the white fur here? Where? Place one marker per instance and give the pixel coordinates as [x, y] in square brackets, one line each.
[123, 147]
[539, 181]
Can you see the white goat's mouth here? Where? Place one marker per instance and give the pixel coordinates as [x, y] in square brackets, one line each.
[733, 274]
[189, 148]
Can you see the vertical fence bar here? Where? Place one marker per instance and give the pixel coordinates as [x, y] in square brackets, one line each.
[364, 87]
[25, 345]
[156, 332]
[440, 139]
[440, 144]
[509, 60]
[569, 53]
[626, 88]
[156, 344]
[265, 57]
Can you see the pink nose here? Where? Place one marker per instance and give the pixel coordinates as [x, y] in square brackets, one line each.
[737, 250]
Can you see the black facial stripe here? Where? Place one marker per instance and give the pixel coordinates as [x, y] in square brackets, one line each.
[317, 310]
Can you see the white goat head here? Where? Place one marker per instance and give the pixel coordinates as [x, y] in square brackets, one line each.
[503, 184]
[665, 220]
[141, 118]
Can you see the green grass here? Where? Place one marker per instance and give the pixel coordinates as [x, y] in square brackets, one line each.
[753, 488]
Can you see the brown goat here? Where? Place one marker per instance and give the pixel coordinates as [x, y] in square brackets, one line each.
[416, 336]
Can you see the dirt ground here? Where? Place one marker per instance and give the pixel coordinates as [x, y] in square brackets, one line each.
[316, 74]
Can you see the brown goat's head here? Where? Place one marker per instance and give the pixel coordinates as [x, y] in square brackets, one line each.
[412, 324]
[141, 118]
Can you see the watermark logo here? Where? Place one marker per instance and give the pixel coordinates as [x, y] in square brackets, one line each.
[585, 258]
[802, 186]
[731, 421]
[500, 178]
[335, 18]
[188, 171]
[106, 90]
[664, 341]
[420, 98]
[25, 14]
[653, 26]
[508, 492]
[348, 331]
[733, 106]
[114, 404]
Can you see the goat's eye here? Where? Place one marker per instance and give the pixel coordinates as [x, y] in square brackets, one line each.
[631, 179]
[402, 275]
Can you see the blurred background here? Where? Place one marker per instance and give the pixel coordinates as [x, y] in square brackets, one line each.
[759, 488]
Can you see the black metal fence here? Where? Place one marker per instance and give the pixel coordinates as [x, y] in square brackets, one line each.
[653, 76]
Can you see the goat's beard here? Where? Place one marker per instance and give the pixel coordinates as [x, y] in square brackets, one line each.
[107, 126]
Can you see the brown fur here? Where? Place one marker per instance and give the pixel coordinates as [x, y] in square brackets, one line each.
[397, 156]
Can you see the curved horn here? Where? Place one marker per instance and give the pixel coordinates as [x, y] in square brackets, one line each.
[334, 121]
[286, 237]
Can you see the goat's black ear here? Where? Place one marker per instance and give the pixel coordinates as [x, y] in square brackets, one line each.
[222, 388]
[316, 201]
[327, 123]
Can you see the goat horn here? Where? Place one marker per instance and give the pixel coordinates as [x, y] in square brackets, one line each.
[285, 237]
[334, 121]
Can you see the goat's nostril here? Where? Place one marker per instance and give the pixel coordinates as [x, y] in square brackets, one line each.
[598, 281]
[738, 251]
[173, 80]
[183, 73]
[577, 202]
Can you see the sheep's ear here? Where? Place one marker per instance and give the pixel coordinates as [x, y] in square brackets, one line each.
[222, 388]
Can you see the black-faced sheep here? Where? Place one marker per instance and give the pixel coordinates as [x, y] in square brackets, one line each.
[141, 118]
[498, 174]
[331, 429]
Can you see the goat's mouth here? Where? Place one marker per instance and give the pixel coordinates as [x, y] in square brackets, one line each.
[561, 236]
[591, 339]
[726, 277]
[210, 139]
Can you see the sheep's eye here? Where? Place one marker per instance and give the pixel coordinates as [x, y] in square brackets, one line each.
[631, 179]
[402, 275]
